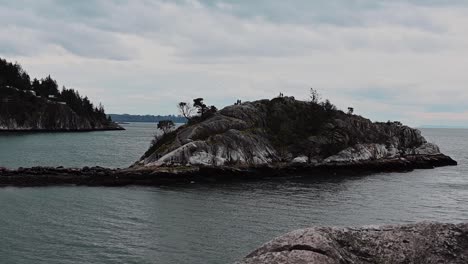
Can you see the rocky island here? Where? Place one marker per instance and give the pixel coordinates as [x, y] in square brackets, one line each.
[288, 132]
[261, 139]
[38, 105]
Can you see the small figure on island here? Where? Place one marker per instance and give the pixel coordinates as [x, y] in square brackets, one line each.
[350, 110]
[238, 102]
[281, 95]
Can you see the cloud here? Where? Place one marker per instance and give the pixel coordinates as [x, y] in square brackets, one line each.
[30, 28]
[389, 59]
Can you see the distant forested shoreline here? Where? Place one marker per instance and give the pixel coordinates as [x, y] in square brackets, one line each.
[147, 118]
[39, 105]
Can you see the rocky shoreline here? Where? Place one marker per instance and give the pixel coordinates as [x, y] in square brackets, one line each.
[158, 176]
[413, 243]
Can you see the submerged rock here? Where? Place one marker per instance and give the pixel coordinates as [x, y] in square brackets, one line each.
[415, 243]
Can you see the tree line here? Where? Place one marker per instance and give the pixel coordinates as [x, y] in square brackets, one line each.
[12, 75]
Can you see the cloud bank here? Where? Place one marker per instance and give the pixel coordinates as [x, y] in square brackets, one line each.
[389, 59]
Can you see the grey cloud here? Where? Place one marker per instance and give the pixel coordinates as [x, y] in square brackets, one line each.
[358, 52]
[34, 27]
[250, 28]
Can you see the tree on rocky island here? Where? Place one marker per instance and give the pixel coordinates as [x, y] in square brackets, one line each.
[203, 110]
[314, 96]
[201, 107]
[328, 106]
[166, 126]
[186, 109]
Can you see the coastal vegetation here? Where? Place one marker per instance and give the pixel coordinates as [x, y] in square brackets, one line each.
[196, 112]
[166, 126]
[39, 104]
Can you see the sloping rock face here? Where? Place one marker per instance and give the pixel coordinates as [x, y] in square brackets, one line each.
[284, 130]
[417, 243]
[53, 116]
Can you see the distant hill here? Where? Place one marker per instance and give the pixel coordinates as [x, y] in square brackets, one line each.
[38, 105]
[146, 118]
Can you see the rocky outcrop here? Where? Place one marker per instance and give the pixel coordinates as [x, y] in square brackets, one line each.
[52, 116]
[415, 243]
[284, 130]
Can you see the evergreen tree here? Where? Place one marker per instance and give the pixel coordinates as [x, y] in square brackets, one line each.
[14, 77]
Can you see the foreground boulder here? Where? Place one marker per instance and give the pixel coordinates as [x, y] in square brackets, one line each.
[287, 131]
[416, 243]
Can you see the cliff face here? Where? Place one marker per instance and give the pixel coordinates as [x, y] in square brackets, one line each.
[50, 116]
[284, 130]
[416, 243]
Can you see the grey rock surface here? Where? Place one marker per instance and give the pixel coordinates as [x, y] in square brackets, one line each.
[420, 243]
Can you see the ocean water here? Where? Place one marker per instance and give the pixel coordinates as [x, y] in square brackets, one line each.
[111, 149]
[202, 223]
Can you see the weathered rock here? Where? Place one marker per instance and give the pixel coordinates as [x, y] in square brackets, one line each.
[425, 149]
[300, 159]
[415, 243]
[361, 152]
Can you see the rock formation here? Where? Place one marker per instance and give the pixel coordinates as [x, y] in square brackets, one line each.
[415, 243]
[285, 130]
[51, 116]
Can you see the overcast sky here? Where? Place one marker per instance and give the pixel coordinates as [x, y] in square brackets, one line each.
[391, 60]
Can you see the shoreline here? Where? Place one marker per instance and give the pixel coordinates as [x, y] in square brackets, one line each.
[181, 175]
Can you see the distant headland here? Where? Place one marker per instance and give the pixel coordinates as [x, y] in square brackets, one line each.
[121, 118]
[38, 105]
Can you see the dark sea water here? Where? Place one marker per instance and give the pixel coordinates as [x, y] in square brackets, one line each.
[200, 223]
[76, 149]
